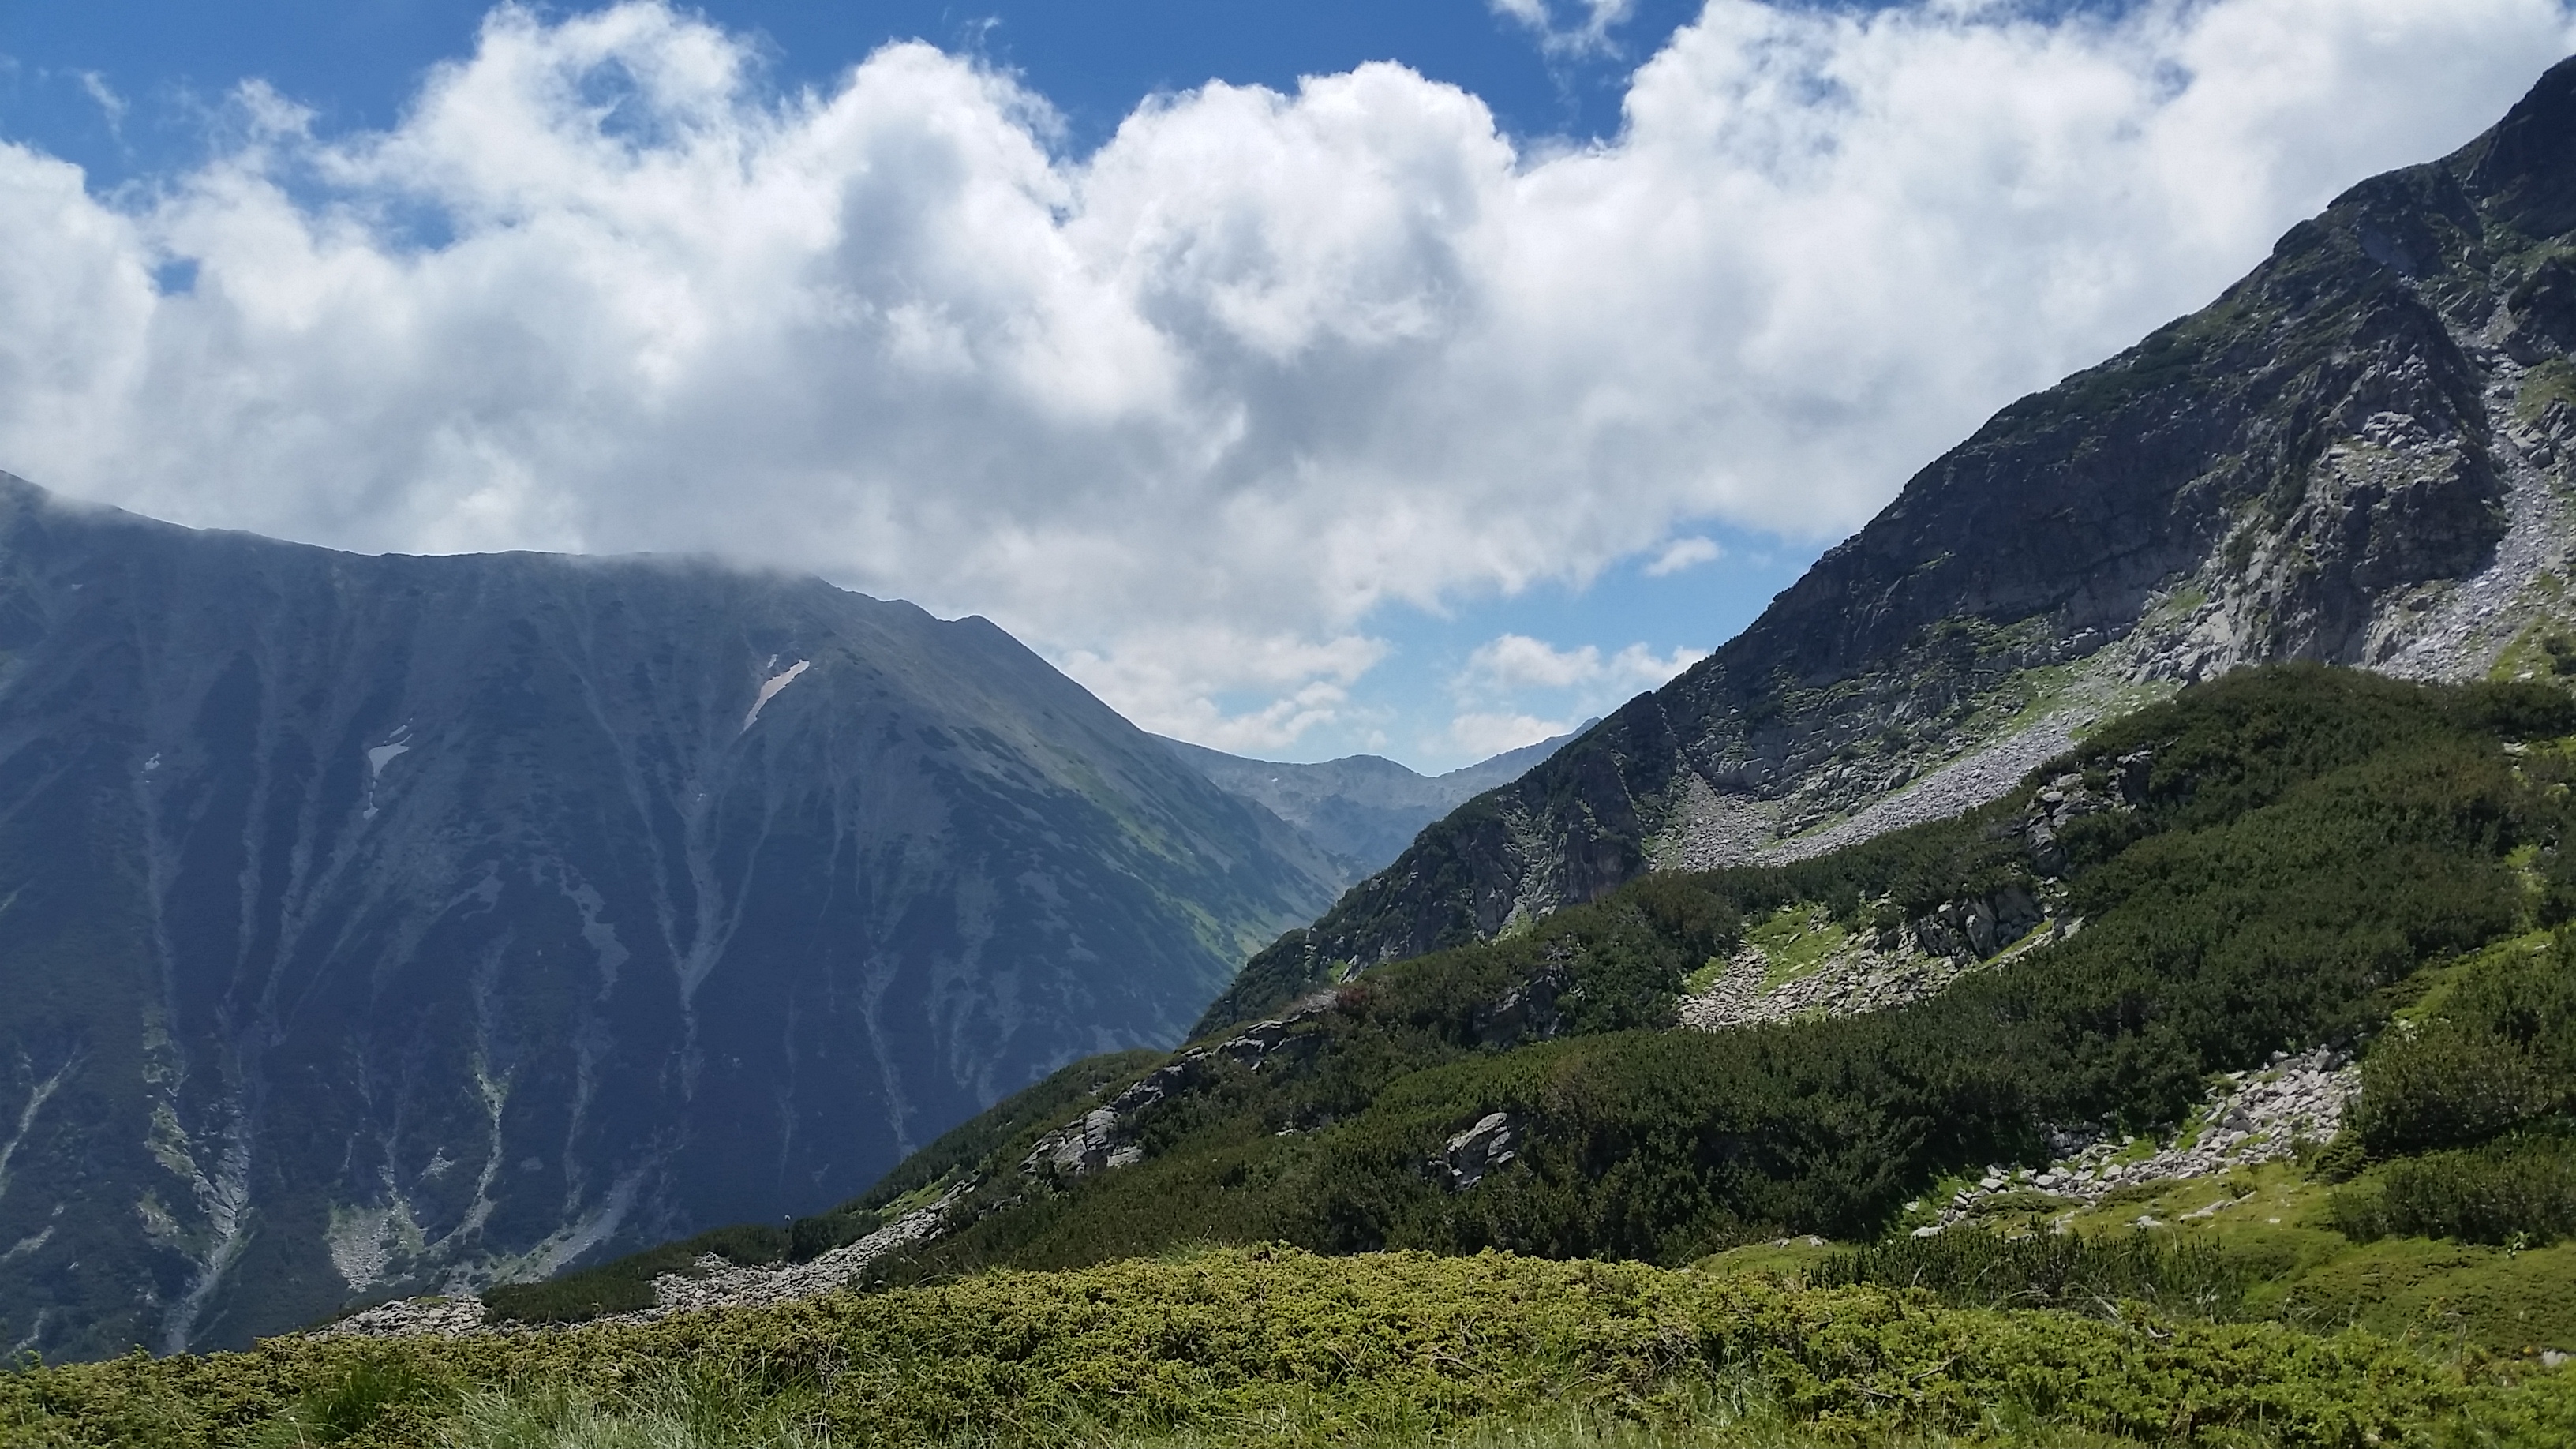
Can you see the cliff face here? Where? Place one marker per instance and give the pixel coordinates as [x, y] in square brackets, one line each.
[2356, 454]
[395, 921]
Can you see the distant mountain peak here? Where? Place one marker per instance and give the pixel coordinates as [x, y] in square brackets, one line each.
[1361, 810]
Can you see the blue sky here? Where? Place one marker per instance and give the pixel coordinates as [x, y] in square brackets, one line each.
[358, 61]
[1418, 407]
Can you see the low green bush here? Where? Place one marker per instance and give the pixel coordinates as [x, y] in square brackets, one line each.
[2302, 841]
[2082, 1272]
[355, 1398]
[1266, 1346]
[2446, 1084]
[2517, 1192]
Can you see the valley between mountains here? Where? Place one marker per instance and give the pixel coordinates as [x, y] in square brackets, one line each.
[383, 924]
[2356, 456]
[383, 921]
[2095, 962]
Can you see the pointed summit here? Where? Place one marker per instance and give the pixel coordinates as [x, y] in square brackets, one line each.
[2361, 453]
[2526, 166]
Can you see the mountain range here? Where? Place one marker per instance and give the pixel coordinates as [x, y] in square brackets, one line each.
[372, 923]
[1362, 810]
[2095, 962]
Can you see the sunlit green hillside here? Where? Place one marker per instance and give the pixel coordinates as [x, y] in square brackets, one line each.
[1495, 1196]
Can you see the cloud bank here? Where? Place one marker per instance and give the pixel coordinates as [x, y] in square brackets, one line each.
[1191, 412]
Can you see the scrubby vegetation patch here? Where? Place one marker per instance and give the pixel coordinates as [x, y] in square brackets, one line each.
[1275, 1346]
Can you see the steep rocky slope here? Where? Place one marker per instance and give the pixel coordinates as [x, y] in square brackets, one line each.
[1363, 810]
[369, 922]
[2361, 453]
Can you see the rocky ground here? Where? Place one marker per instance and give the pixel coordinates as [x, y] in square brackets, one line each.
[2460, 634]
[713, 1283]
[1954, 789]
[2249, 1117]
[450, 1315]
[1857, 978]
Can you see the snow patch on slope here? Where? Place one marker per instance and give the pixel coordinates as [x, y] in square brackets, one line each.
[769, 690]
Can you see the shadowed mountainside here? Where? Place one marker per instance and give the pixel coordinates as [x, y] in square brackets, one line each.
[374, 922]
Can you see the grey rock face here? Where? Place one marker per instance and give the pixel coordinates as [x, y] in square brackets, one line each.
[1528, 1012]
[1877, 974]
[1491, 1144]
[2069, 797]
[2543, 313]
[2353, 455]
[1080, 1148]
[374, 922]
[1979, 926]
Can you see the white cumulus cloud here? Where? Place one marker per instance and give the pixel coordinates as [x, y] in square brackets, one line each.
[1482, 734]
[1579, 683]
[1517, 661]
[1192, 411]
[1585, 28]
[1683, 553]
[1510, 662]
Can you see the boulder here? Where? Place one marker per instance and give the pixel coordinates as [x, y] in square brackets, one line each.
[1492, 1142]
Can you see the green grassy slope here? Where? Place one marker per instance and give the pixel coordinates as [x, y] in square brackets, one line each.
[1271, 1346]
[2305, 842]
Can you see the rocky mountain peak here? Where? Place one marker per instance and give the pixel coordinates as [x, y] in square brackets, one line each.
[2525, 166]
[2356, 454]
